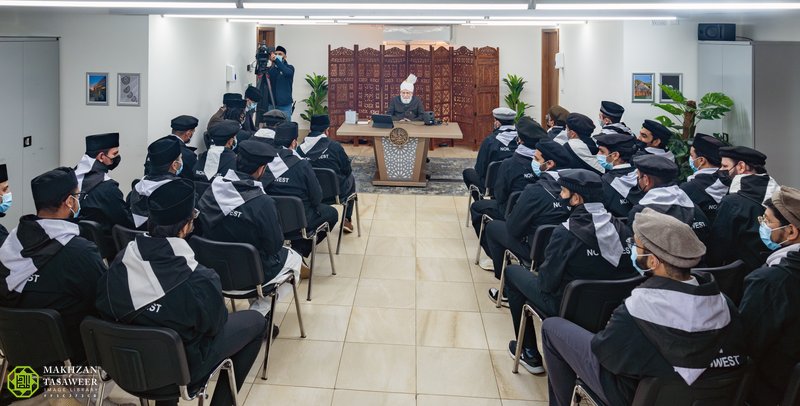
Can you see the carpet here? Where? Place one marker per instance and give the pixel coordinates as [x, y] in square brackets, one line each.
[446, 178]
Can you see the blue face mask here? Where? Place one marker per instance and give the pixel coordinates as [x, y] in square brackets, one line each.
[603, 160]
[252, 106]
[75, 214]
[691, 164]
[278, 57]
[766, 236]
[537, 168]
[634, 257]
[6, 205]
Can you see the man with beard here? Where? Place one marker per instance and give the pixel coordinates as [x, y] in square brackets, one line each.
[614, 154]
[497, 146]
[704, 186]
[653, 139]
[166, 164]
[406, 106]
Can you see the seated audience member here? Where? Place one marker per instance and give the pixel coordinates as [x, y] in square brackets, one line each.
[252, 97]
[101, 199]
[556, 121]
[591, 244]
[289, 175]
[156, 282]
[656, 179]
[771, 304]
[611, 119]
[406, 106]
[734, 234]
[183, 129]
[236, 209]
[704, 186]
[674, 325]
[324, 152]
[614, 154]
[273, 117]
[499, 145]
[580, 145]
[513, 174]
[166, 164]
[538, 204]
[5, 199]
[220, 156]
[653, 139]
[45, 264]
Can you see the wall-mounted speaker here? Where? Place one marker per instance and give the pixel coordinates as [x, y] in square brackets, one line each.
[716, 32]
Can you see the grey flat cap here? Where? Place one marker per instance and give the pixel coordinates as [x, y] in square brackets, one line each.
[668, 238]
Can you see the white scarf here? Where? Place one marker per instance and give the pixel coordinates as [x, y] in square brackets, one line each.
[212, 161]
[525, 151]
[309, 142]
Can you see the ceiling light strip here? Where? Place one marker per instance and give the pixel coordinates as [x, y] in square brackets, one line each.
[669, 6]
[387, 6]
[116, 4]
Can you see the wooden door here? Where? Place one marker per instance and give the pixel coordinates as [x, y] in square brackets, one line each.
[265, 35]
[487, 95]
[549, 71]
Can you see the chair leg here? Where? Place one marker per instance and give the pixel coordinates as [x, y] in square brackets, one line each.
[502, 284]
[268, 339]
[358, 216]
[576, 397]
[297, 308]
[3, 372]
[480, 236]
[520, 337]
[100, 390]
[231, 382]
[469, 204]
[233, 305]
[330, 251]
[143, 402]
[311, 268]
[341, 228]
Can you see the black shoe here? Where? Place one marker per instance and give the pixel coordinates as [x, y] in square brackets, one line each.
[275, 331]
[530, 360]
[493, 295]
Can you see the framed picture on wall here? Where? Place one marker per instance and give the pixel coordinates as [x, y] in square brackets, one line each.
[128, 89]
[671, 79]
[642, 88]
[97, 89]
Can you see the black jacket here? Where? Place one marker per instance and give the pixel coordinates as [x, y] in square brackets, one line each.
[105, 204]
[281, 77]
[299, 181]
[618, 197]
[539, 204]
[3, 231]
[227, 161]
[493, 150]
[706, 191]
[513, 175]
[188, 156]
[671, 200]
[329, 154]
[412, 111]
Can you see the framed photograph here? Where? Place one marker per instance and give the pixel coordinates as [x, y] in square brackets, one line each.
[128, 89]
[672, 79]
[97, 89]
[642, 88]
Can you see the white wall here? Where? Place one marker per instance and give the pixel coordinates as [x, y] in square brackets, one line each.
[94, 43]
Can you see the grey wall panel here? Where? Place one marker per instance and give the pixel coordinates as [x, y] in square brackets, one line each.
[11, 55]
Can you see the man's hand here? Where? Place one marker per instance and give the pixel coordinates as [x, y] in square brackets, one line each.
[272, 57]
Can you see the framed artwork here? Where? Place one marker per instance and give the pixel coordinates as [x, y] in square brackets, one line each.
[642, 88]
[128, 89]
[672, 79]
[96, 89]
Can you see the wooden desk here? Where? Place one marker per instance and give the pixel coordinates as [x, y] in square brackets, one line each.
[400, 158]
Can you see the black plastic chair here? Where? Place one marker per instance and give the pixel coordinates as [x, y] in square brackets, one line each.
[792, 395]
[200, 188]
[485, 219]
[147, 362]
[293, 223]
[93, 231]
[474, 190]
[330, 195]
[123, 235]
[540, 240]
[242, 277]
[730, 279]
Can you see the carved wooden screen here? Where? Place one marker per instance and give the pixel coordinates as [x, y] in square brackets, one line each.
[442, 62]
[341, 84]
[464, 92]
[419, 63]
[487, 82]
[368, 82]
[395, 71]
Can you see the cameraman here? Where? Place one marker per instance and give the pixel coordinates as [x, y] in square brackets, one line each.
[281, 76]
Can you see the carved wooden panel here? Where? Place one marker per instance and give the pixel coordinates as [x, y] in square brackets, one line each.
[487, 97]
[464, 92]
[442, 62]
[369, 76]
[341, 84]
[420, 64]
[395, 71]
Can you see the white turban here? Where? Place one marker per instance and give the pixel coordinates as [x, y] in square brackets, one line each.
[408, 84]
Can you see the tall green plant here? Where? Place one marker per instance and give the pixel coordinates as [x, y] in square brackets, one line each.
[515, 85]
[318, 98]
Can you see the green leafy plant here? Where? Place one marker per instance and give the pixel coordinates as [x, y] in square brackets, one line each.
[318, 99]
[686, 115]
[515, 85]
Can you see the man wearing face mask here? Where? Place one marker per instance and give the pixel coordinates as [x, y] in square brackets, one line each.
[46, 264]
[166, 164]
[734, 234]
[102, 200]
[220, 156]
[406, 106]
[5, 199]
[704, 186]
[580, 145]
[183, 128]
[771, 306]
[590, 244]
[614, 154]
[281, 78]
[674, 325]
[653, 139]
[496, 147]
[252, 97]
[611, 119]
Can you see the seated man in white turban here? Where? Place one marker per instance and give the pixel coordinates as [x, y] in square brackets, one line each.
[406, 107]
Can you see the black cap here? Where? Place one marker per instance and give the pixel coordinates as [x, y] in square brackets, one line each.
[184, 123]
[658, 130]
[615, 141]
[320, 122]
[3, 173]
[99, 142]
[553, 151]
[611, 109]
[171, 203]
[53, 186]
[580, 124]
[273, 118]
[223, 131]
[529, 131]
[583, 182]
[164, 150]
[285, 133]
[253, 94]
[656, 165]
[707, 146]
[280, 48]
[257, 151]
[231, 97]
[748, 155]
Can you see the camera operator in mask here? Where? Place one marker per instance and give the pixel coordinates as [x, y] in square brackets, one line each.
[281, 76]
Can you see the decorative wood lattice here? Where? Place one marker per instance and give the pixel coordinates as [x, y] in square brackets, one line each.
[464, 89]
[395, 71]
[442, 83]
[369, 78]
[341, 84]
[420, 64]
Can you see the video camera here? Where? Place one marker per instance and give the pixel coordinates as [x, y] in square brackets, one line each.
[262, 57]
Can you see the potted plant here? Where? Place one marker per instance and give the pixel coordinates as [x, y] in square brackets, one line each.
[318, 99]
[515, 85]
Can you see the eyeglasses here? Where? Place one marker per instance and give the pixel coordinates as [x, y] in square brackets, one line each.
[78, 195]
[632, 245]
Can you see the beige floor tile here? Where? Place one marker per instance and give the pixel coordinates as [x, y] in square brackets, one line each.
[438, 229]
[437, 214]
[359, 398]
[446, 296]
[381, 326]
[322, 322]
[482, 276]
[277, 395]
[471, 247]
[443, 270]
[435, 201]
[484, 302]
[391, 246]
[398, 294]
[499, 330]
[441, 248]
[521, 386]
[524, 403]
[468, 233]
[396, 200]
[383, 267]
[392, 228]
[399, 212]
[351, 243]
[304, 362]
[377, 367]
[366, 209]
[456, 372]
[436, 328]
[347, 265]
[434, 400]
[332, 290]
